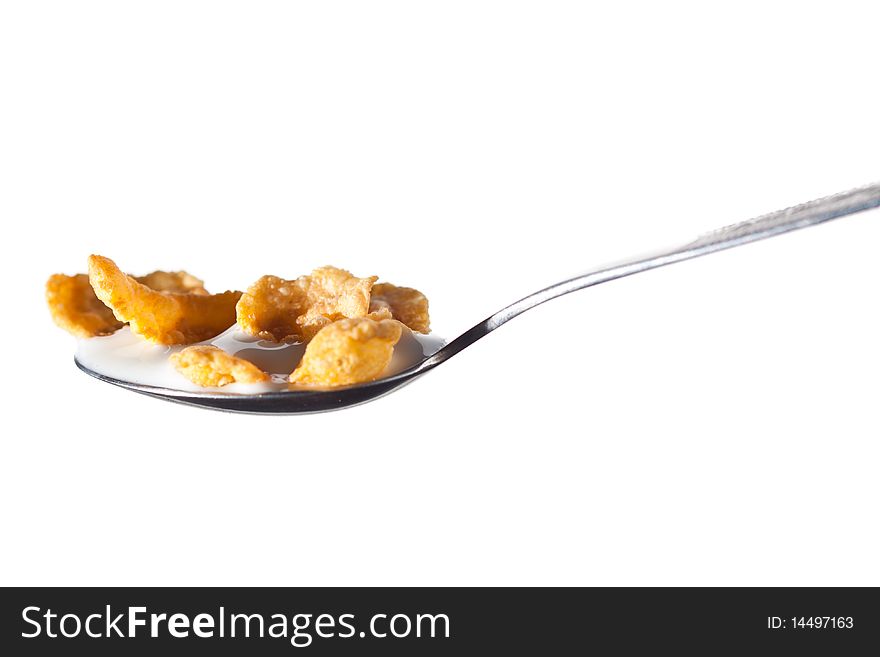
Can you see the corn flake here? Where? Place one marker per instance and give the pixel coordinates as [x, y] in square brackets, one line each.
[277, 309]
[206, 365]
[75, 307]
[405, 304]
[348, 351]
[161, 317]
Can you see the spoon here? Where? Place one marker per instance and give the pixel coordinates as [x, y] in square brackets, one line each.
[315, 401]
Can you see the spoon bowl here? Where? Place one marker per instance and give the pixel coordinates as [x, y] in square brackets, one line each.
[291, 402]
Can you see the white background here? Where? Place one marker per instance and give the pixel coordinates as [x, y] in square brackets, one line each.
[711, 423]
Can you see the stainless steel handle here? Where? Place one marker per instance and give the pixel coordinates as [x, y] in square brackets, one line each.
[768, 225]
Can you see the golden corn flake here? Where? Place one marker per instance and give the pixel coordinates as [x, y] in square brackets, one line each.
[287, 310]
[206, 365]
[162, 317]
[173, 281]
[348, 351]
[270, 307]
[333, 291]
[76, 308]
[404, 303]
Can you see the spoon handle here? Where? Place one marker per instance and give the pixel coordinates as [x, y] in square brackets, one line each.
[768, 225]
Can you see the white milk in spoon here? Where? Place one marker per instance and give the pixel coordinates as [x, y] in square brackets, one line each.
[128, 357]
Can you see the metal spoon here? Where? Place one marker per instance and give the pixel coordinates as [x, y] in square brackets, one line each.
[314, 401]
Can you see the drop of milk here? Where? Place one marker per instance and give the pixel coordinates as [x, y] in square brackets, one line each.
[128, 357]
